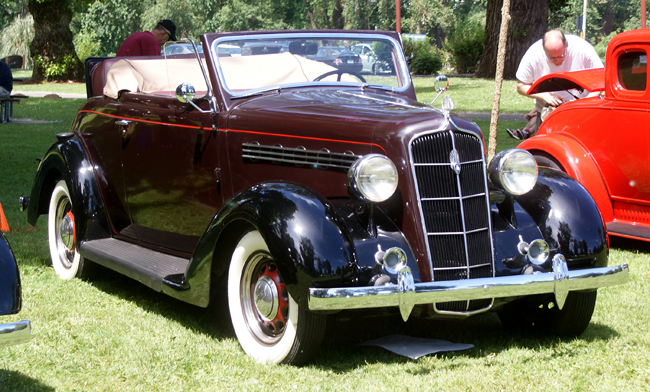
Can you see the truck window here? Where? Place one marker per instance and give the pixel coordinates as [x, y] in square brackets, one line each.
[632, 70]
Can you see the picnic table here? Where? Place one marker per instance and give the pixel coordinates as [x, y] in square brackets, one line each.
[7, 107]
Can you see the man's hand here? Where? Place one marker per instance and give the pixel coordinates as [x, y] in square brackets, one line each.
[550, 99]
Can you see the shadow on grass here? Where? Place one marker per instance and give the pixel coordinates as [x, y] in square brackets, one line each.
[20, 382]
[485, 332]
[629, 244]
[213, 321]
[345, 330]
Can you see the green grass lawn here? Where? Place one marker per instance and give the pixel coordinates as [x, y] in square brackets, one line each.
[111, 333]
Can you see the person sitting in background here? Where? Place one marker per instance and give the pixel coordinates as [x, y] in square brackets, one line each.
[6, 80]
[148, 43]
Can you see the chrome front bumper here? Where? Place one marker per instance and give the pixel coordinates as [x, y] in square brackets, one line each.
[406, 294]
[15, 333]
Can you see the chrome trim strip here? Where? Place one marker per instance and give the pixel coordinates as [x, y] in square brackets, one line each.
[559, 281]
[461, 205]
[446, 164]
[458, 233]
[457, 268]
[454, 198]
[465, 313]
[15, 333]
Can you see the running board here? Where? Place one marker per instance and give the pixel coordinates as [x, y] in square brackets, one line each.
[144, 265]
[629, 230]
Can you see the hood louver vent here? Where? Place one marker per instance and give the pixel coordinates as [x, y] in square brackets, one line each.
[298, 156]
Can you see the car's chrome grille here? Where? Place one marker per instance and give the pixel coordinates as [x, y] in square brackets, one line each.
[299, 156]
[455, 209]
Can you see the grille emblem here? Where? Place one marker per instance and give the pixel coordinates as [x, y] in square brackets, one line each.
[454, 161]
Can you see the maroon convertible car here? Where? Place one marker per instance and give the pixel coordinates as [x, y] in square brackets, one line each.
[296, 189]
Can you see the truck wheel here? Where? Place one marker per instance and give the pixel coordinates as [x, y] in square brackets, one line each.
[539, 314]
[67, 262]
[269, 325]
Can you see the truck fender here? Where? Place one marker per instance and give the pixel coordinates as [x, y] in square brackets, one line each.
[302, 230]
[577, 163]
[67, 160]
[568, 218]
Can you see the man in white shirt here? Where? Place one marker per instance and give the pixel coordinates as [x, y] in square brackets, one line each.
[555, 52]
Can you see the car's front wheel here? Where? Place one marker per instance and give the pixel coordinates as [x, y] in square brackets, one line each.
[67, 262]
[540, 314]
[269, 325]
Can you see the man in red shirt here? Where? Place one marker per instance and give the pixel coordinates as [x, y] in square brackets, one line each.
[148, 43]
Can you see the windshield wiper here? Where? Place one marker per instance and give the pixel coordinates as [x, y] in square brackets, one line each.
[377, 87]
[258, 92]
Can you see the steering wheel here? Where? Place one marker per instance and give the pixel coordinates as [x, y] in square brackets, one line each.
[340, 72]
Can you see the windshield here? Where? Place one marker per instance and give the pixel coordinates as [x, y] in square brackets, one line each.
[247, 64]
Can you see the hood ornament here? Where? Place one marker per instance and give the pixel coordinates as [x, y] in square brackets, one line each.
[454, 161]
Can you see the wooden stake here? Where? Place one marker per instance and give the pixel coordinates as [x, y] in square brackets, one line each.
[498, 78]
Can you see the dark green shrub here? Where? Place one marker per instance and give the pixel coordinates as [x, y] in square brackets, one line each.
[466, 45]
[422, 58]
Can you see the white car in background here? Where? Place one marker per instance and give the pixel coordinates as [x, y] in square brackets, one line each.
[368, 57]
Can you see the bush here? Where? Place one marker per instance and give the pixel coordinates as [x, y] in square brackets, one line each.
[466, 45]
[422, 58]
[601, 46]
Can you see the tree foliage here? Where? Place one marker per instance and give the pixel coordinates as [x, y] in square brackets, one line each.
[98, 27]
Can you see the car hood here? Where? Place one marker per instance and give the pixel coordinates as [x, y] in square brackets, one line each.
[349, 114]
[591, 80]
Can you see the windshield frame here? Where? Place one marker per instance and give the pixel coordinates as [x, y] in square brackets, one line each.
[401, 72]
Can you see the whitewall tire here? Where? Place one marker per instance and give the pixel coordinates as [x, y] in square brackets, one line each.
[268, 323]
[67, 262]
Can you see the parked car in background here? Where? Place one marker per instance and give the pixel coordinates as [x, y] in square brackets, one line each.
[603, 141]
[338, 57]
[368, 57]
[10, 294]
[180, 48]
[293, 189]
[229, 50]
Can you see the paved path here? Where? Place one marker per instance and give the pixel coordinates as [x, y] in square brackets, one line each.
[41, 94]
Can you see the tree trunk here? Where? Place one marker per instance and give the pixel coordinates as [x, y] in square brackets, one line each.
[52, 48]
[528, 24]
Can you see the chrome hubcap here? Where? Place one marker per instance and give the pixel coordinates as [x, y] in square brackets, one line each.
[266, 298]
[66, 229]
[265, 301]
[65, 233]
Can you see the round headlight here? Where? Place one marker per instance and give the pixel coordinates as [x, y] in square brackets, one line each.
[514, 171]
[373, 177]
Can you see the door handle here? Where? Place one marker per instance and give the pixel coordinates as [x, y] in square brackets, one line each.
[122, 122]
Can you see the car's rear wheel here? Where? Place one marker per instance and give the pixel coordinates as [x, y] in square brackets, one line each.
[541, 315]
[67, 262]
[269, 325]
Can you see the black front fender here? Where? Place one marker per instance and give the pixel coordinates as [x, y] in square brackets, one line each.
[302, 230]
[568, 218]
[67, 160]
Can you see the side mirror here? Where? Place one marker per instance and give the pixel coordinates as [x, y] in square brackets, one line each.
[185, 92]
[440, 85]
